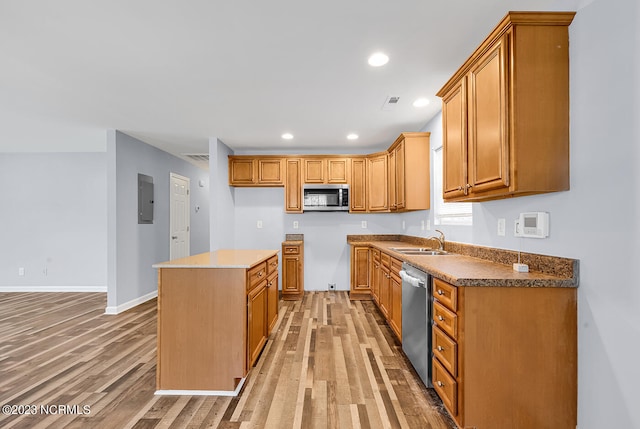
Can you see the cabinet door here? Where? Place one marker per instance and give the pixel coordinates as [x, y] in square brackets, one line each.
[360, 270]
[454, 142]
[291, 276]
[395, 319]
[257, 323]
[488, 130]
[357, 188]
[391, 161]
[377, 183]
[337, 170]
[270, 171]
[272, 301]
[400, 177]
[293, 187]
[375, 276]
[384, 296]
[242, 171]
[314, 170]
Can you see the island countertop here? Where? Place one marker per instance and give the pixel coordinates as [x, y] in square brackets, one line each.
[224, 258]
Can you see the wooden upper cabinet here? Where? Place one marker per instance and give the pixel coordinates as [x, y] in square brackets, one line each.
[377, 182]
[338, 170]
[506, 112]
[256, 171]
[358, 185]
[409, 180]
[242, 171]
[326, 170]
[314, 170]
[293, 186]
[270, 171]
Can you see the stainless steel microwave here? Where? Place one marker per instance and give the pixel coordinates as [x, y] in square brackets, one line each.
[325, 198]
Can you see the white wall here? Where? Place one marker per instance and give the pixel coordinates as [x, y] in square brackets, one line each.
[53, 216]
[133, 248]
[597, 220]
[222, 197]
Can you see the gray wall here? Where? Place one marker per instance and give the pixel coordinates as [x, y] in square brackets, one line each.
[53, 218]
[222, 197]
[134, 248]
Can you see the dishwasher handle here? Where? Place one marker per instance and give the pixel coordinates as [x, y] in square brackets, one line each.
[413, 281]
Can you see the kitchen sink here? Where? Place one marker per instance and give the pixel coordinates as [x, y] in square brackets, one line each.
[418, 251]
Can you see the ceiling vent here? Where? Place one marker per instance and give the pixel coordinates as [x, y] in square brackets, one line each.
[198, 159]
[390, 103]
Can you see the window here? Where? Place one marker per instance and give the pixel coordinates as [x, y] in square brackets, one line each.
[447, 213]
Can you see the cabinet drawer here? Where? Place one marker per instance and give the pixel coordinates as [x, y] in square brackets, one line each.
[396, 265]
[291, 250]
[376, 255]
[386, 260]
[446, 350]
[446, 387]
[272, 264]
[256, 274]
[446, 294]
[445, 320]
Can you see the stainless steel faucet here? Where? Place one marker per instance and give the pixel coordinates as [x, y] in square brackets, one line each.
[440, 239]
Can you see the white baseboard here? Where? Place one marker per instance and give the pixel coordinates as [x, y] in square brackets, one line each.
[127, 305]
[27, 288]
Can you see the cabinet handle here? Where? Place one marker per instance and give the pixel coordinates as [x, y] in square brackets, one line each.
[440, 292]
[260, 274]
[440, 383]
[440, 348]
[440, 318]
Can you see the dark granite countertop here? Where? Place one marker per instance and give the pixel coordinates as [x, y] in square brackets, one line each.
[469, 265]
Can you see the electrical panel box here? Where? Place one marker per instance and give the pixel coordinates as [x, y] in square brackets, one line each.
[145, 199]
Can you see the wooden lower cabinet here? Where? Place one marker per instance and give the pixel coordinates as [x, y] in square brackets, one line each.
[213, 324]
[272, 293]
[374, 275]
[506, 357]
[292, 269]
[395, 296]
[384, 295]
[257, 320]
[360, 267]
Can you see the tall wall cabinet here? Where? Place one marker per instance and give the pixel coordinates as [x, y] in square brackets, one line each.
[505, 112]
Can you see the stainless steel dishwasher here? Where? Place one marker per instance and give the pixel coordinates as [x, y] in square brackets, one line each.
[416, 320]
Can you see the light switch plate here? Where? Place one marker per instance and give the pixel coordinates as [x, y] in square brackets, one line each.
[364, 223]
[502, 227]
[259, 224]
[295, 224]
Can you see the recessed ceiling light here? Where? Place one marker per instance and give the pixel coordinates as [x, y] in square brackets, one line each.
[420, 102]
[378, 59]
[287, 136]
[352, 136]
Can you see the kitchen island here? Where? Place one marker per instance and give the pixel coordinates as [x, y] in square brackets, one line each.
[213, 319]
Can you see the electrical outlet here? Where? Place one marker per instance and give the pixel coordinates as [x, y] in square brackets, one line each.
[502, 226]
[403, 226]
[364, 223]
[21, 271]
[332, 286]
[428, 224]
[259, 224]
[422, 225]
[295, 224]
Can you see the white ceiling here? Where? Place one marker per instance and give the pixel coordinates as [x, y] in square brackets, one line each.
[175, 73]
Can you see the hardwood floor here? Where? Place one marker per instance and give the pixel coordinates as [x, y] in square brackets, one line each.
[330, 363]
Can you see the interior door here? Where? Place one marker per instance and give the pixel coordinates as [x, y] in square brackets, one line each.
[179, 219]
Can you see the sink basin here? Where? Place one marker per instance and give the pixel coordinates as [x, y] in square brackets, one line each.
[418, 251]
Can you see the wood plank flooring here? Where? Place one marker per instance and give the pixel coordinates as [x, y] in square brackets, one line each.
[329, 363]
